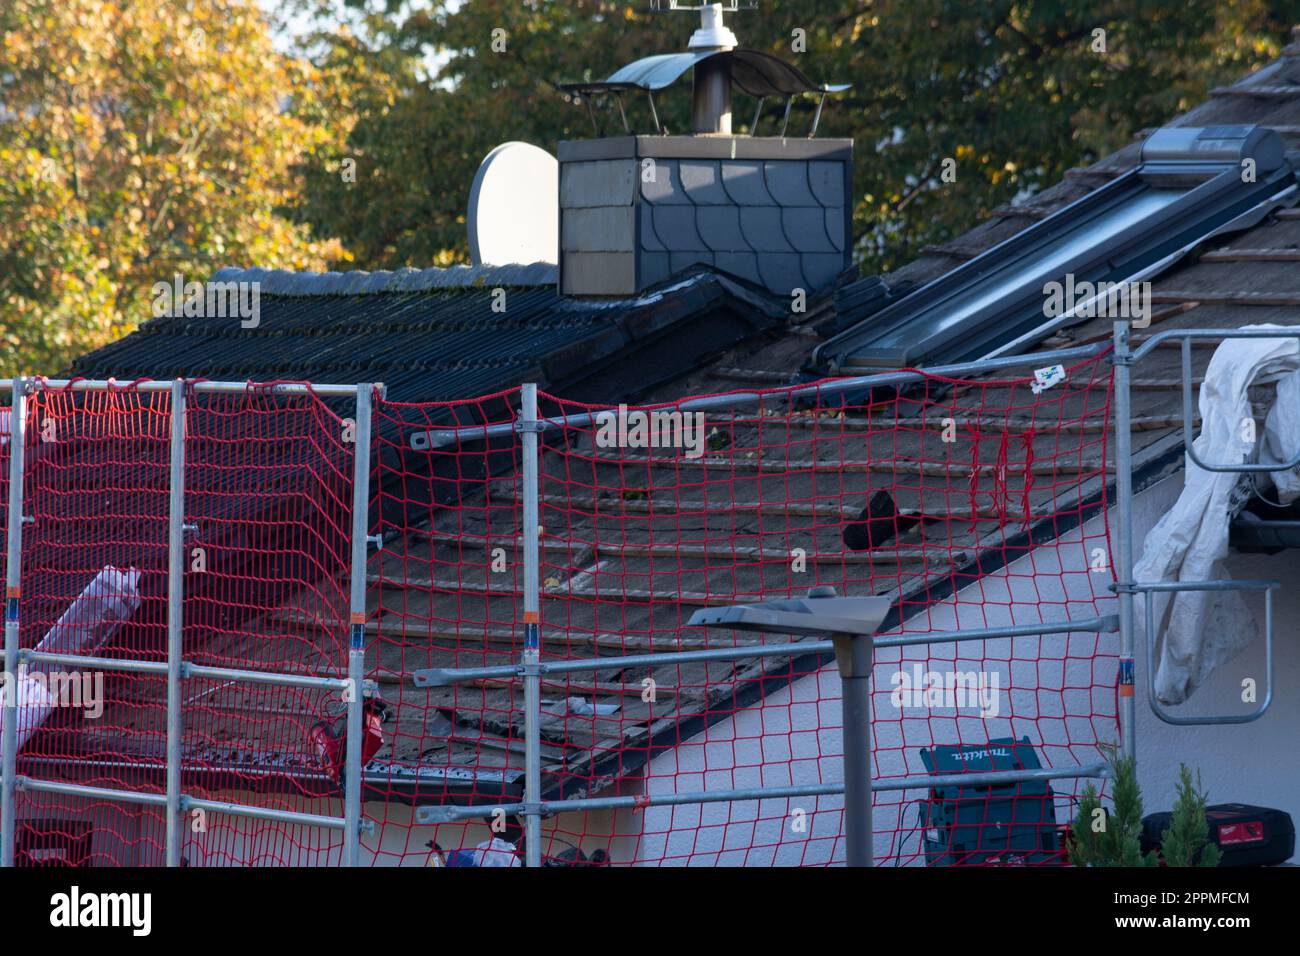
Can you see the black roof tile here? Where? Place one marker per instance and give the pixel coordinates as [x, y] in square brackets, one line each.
[444, 341]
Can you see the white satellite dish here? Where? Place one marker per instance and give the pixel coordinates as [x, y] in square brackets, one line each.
[514, 207]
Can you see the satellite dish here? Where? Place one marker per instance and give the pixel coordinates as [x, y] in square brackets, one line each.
[514, 207]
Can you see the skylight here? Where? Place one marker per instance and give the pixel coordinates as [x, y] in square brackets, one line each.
[1191, 183]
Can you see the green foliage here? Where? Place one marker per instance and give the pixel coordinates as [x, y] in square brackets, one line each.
[1014, 92]
[138, 139]
[1103, 838]
[1186, 842]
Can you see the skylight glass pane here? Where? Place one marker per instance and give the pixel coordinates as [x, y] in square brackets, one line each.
[1049, 262]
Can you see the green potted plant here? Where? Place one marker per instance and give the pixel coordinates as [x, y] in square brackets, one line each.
[1101, 837]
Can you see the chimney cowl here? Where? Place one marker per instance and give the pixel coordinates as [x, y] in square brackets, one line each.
[718, 64]
[713, 33]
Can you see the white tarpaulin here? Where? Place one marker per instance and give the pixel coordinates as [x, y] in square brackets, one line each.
[90, 621]
[1202, 629]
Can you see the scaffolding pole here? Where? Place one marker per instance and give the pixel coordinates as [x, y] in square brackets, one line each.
[1123, 359]
[13, 591]
[530, 661]
[175, 622]
[202, 386]
[855, 659]
[357, 628]
[446, 676]
[441, 437]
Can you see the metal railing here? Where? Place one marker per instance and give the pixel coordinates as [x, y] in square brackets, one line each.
[1126, 587]
[177, 669]
[1268, 587]
[533, 809]
[1184, 337]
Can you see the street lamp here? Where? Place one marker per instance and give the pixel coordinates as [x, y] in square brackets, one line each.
[849, 623]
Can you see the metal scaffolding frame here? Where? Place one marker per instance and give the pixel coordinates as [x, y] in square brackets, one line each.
[531, 667]
[1126, 588]
[176, 668]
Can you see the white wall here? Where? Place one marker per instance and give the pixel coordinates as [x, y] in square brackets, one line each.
[1258, 762]
[794, 736]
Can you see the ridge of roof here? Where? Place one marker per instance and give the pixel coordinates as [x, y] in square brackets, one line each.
[286, 284]
[283, 282]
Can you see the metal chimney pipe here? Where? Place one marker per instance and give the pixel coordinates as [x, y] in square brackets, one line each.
[711, 108]
[711, 111]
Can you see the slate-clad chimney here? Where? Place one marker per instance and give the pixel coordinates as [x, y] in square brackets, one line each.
[637, 209]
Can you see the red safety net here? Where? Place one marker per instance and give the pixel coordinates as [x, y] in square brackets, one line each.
[268, 527]
[445, 592]
[970, 503]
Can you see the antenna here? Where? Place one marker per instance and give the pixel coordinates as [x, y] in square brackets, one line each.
[713, 34]
[731, 6]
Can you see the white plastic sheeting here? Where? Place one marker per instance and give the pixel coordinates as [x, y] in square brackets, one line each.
[1203, 629]
[88, 623]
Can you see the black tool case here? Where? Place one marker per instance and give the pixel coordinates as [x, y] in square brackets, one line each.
[1247, 835]
[967, 825]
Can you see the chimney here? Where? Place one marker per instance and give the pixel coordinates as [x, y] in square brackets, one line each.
[637, 208]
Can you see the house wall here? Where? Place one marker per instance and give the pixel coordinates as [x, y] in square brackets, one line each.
[1255, 763]
[772, 745]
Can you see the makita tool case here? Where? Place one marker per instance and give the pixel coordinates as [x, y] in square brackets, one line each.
[1009, 823]
[1248, 836]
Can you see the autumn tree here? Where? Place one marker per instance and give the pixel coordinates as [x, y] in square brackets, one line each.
[1012, 92]
[140, 139]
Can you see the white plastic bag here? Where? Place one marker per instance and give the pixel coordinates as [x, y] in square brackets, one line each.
[1203, 629]
[110, 598]
[496, 852]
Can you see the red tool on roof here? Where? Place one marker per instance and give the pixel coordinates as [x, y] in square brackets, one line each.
[331, 736]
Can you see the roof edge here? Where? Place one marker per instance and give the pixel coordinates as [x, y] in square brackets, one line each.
[285, 283]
